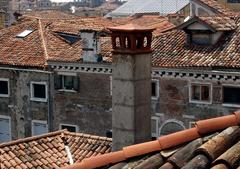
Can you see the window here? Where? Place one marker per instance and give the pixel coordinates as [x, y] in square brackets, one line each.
[39, 127]
[171, 126]
[155, 89]
[67, 82]
[4, 87]
[201, 38]
[39, 91]
[200, 93]
[154, 126]
[231, 95]
[233, 1]
[192, 124]
[24, 33]
[5, 129]
[69, 127]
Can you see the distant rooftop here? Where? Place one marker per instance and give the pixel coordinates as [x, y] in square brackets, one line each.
[162, 7]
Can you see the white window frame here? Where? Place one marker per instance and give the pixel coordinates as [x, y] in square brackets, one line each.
[66, 74]
[41, 122]
[70, 125]
[157, 126]
[110, 85]
[10, 125]
[192, 124]
[227, 104]
[32, 91]
[157, 89]
[196, 101]
[5, 80]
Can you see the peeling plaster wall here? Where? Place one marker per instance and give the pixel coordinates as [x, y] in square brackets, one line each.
[18, 106]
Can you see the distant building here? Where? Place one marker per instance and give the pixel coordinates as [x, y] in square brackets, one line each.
[162, 7]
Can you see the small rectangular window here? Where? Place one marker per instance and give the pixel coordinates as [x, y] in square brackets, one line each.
[231, 95]
[201, 38]
[5, 129]
[39, 91]
[200, 93]
[155, 89]
[69, 127]
[24, 33]
[67, 82]
[4, 87]
[39, 127]
[154, 126]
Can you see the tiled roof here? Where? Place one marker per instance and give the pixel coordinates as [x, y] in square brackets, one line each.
[216, 6]
[220, 23]
[45, 44]
[48, 14]
[169, 51]
[211, 143]
[49, 150]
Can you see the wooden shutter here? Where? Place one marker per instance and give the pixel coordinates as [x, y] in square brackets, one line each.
[58, 81]
[76, 83]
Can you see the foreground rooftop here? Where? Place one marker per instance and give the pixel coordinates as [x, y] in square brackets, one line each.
[212, 143]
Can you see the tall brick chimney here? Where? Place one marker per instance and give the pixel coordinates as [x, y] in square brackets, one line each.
[131, 79]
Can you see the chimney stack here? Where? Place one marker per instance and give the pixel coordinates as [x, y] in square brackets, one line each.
[131, 80]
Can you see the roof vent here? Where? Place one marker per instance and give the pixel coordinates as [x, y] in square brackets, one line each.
[25, 33]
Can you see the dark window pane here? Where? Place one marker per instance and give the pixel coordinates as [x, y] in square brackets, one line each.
[201, 38]
[171, 127]
[205, 93]
[231, 95]
[39, 91]
[154, 91]
[195, 92]
[68, 82]
[69, 128]
[3, 87]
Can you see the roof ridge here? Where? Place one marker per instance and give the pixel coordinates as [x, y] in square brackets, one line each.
[43, 39]
[202, 127]
[28, 139]
[88, 136]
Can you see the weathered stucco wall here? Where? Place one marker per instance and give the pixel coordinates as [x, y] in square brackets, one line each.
[18, 105]
[89, 108]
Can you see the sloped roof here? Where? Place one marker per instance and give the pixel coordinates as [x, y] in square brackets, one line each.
[45, 44]
[169, 51]
[142, 6]
[211, 143]
[49, 150]
[217, 7]
[215, 23]
[48, 14]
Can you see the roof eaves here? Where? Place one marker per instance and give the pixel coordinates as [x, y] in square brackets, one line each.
[193, 20]
[32, 138]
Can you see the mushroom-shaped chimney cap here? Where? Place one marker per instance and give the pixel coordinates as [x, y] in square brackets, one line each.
[131, 39]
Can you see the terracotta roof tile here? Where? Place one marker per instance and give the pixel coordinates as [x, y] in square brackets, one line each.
[193, 151]
[216, 6]
[48, 150]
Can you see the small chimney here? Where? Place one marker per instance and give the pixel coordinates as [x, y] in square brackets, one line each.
[91, 46]
[131, 98]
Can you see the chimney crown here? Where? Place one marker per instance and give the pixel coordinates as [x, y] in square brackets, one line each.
[131, 39]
